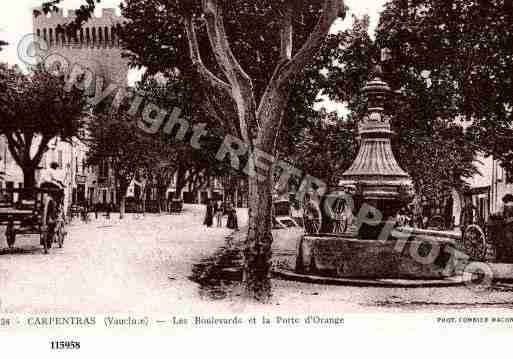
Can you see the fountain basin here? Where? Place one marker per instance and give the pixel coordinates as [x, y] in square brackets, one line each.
[418, 255]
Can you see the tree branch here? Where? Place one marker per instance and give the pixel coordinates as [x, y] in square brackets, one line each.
[43, 147]
[19, 142]
[276, 94]
[11, 143]
[241, 84]
[221, 46]
[225, 116]
[286, 32]
[205, 74]
[331, 11]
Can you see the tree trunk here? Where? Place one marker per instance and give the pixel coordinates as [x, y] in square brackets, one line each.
[257, 249]
[179, 187]
[29, 177]
[29, 181]
[462, 207]
[142, 200]
[183, 180]
[123, 187]
[122, 202]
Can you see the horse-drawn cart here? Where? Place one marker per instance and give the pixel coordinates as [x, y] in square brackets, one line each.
[32, 211]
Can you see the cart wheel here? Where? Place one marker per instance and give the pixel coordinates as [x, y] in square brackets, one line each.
[44, 223]
[473, 242]
[312, 217]
[51, 224]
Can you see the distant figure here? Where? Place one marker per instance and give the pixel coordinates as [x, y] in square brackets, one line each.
[216, 206]
[140, 205]
[84, 212]
[403, 218]
[508, 207]
[53, 179]
[109, 209]
[468, 214]
[219, 213]
[209, 215]
[448, 213]
[232, 222]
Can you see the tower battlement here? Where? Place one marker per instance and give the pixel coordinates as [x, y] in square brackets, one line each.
[95, 45]
[99, 31]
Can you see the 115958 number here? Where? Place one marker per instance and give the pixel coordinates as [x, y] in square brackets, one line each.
[64, 345]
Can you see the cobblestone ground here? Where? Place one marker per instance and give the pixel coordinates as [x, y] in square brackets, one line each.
[142, 265]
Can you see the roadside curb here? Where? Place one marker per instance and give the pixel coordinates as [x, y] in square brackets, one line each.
[392, 283]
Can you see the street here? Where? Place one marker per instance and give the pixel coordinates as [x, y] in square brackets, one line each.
[143, 265]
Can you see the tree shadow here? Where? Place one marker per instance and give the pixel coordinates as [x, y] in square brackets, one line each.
[30, 250]
[219, 275]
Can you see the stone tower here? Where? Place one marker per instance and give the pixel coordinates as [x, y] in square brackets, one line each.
[95, 46]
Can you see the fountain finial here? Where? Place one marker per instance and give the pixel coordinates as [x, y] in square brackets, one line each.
[376, 72]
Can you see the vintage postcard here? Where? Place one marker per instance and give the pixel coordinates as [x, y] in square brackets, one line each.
[252, 173]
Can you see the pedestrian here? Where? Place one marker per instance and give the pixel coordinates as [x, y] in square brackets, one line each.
[219, 213]
[508, 208]
[448, 213]
[53, 180]
[216, 207]
[468, 213]
[402, 218]
[232, 221]
[109, 209]
[85, 212]
[209, 215]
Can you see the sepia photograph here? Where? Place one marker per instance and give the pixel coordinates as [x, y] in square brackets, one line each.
[215, 168]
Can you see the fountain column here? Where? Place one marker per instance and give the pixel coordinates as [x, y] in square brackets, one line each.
[379, 182]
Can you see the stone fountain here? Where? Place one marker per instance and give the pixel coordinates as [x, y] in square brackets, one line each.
[351, 229]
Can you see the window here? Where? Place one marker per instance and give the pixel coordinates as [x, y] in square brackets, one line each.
[59, 158]
[8, 157]
[500, 173]
[104, 169]
[509, 176]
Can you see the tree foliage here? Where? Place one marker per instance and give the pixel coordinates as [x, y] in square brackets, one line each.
[458, 55]
[430, 145]
[38, 108]
[326, 148]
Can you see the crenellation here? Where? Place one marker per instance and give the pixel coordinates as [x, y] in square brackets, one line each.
[109, 13]
[97, 32]
[108, 17]
[95, 46]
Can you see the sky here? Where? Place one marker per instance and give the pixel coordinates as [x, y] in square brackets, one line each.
[16, 21]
